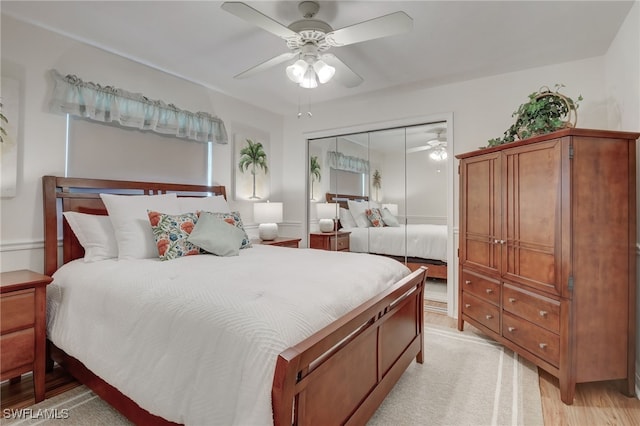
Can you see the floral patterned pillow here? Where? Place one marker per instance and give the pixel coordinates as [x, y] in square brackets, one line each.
[171, 232]
[375, 217]
[234, 218]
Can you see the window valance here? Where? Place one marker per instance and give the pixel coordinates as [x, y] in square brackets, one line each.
[73, 96]
[337, 160]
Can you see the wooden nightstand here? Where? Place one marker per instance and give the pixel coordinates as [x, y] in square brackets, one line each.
[280, 241]
[334, 241]
[22, 326]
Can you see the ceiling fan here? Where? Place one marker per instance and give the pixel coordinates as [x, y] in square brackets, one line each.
[438, 146]
[308, 39]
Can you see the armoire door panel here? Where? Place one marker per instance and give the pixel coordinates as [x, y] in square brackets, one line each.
[532, 203]
[482, 225]
[533, 268]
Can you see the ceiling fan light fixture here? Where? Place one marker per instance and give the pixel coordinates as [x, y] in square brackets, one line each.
[296, 72]
[438, 154]
[324, 71]
[309, 81]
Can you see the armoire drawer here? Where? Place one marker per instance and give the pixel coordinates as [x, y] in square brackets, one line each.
[531, 337]
[482, 311]
[480, 286]
[540, 310]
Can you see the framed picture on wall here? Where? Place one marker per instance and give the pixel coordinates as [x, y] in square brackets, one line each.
[9, 119]
[251, 168]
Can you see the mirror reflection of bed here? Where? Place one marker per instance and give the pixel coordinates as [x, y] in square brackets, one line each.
[399, 174]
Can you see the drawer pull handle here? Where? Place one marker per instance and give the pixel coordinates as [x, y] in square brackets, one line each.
[467, 282]
[489, 291]
[543, 313]
[488, 316]
[542, 345]
[512, 299]
[502, 241]
[496, 241]
[467, 305]
[511, 329]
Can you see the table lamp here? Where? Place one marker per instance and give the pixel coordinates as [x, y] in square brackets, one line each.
[327, 214]
[267, 215]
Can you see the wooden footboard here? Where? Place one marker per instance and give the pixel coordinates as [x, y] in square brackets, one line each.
[341, 374]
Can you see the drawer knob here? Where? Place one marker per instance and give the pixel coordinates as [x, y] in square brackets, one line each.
[543, 313]
[511, 329]
[488, 316]
[512, 299]
[467, 305]
[489, 291]
[467, 282]
[542, 345]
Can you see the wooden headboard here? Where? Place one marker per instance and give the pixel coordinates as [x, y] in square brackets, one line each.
[343, 198]
[62, 194]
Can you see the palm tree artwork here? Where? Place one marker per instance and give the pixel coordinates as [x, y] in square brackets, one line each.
[253, 157]
[377, 182]
[315, 172]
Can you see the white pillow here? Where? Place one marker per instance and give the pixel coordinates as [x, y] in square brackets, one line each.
[357, 209]
[346, 219]
[216, 236]
[130, 221]
[95, 233]
[388, 218]
[216, 203]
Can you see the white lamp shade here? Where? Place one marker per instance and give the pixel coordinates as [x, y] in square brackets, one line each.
[325, 72]
[309, 80]
[267, 212]
[393, 208]
[296, 71]
[327, 210]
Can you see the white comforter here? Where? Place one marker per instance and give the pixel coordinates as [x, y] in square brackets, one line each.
[195, 340]
[419, 240]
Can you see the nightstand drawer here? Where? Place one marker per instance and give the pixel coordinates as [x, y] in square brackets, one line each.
[17, 310]
[18, 350]
[340, 243]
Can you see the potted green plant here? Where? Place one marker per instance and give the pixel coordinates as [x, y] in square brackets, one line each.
[545, 112]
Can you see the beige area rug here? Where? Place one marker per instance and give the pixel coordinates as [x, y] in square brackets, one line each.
[466, 379]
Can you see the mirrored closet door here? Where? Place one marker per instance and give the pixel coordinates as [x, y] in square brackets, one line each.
[382, 192]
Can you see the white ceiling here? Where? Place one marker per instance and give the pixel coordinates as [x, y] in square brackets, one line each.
[450, 41]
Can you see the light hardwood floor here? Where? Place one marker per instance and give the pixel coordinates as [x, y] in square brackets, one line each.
[596, 404]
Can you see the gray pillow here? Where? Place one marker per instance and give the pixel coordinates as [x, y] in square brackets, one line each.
[216, 236]
[388, 218]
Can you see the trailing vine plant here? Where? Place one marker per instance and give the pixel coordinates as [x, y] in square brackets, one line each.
[545, 112]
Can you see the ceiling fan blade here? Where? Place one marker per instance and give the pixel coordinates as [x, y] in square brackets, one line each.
[267, 64]
[344, 75]
[256, 18]
[383, 26]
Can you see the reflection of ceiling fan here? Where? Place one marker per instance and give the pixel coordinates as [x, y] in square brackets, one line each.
[309, 38]
[438, 146]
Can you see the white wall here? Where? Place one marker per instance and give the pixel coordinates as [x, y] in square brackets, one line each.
[28, 53]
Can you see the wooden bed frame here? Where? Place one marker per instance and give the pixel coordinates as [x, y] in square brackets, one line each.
[437, 268]
[339, 375]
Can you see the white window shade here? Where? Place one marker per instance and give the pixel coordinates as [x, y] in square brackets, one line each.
[102, 151]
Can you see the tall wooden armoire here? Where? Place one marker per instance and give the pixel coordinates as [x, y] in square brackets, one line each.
[547, 252]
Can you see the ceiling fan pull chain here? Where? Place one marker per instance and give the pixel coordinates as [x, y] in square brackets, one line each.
[309, 105]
